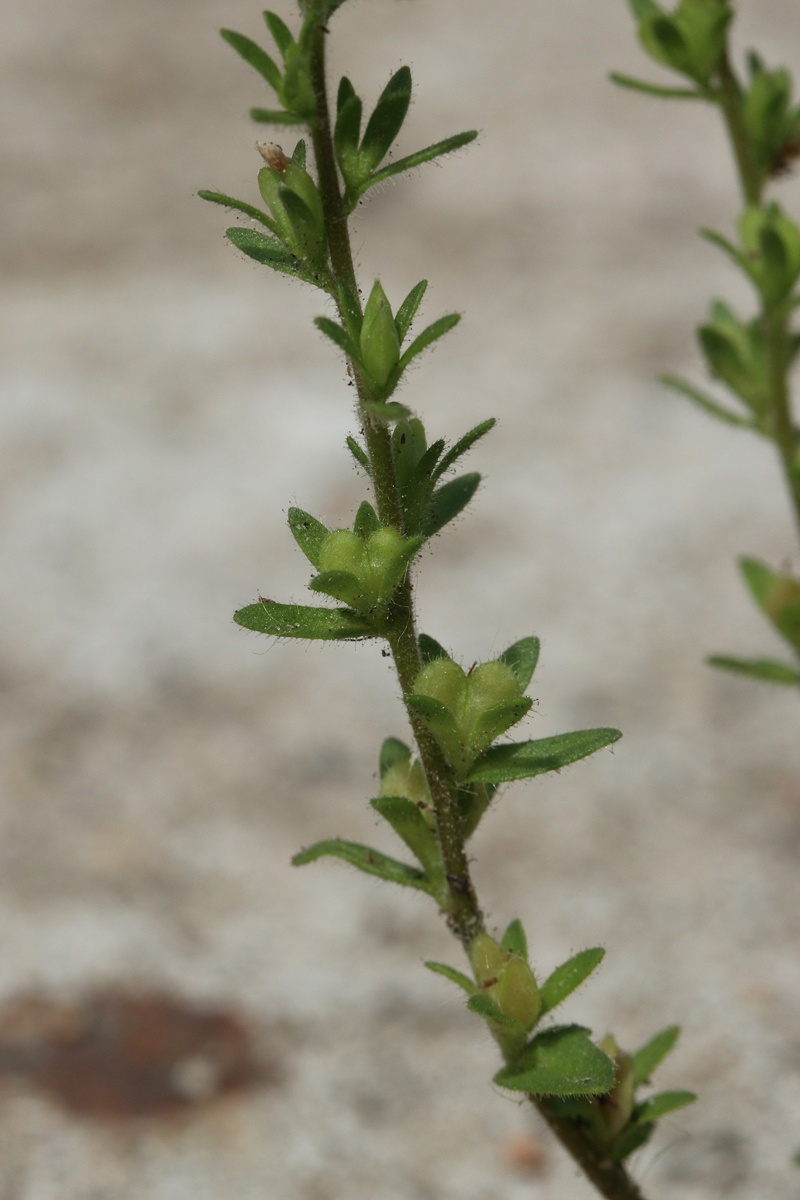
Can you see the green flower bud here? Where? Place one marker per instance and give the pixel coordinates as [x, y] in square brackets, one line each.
[380, 344]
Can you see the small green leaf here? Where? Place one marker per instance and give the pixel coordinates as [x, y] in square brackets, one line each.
[524, 760]
[358, 453]
[652, 1054]
[272, 253]
[480, 1003]
[340, 337]
[410, 825]
[416, 160]
[560, 1062]
[386, 121]
[241, 206]
[428, 336]
[281, 34]
[341, 585]
[255, 56]
[276, 116]
[522, 657]
[392, 751]
[366, 520]
[463, 445]
[569, 976]
[263, 249]
[494, 721]
[708, 404]
[348, 119]
[766, 669]
[303, 621]
[366, 859]
[408, 309]
[514, 939]
[448, 501]
[392, 411]
[632, 1138]
[730, 249]
[659, 1105]
[308, 532]
[654, 89]
[429, 649]
[453, 975]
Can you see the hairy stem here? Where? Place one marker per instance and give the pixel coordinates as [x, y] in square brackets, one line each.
[463, 912]
[773, 317]
[730, 99]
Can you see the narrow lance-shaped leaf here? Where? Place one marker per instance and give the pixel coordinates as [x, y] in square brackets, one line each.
[303, 621]
[569, 976]
[463, 445]
[242, 206]
[254, 56]
[386, 120]
[340, 337]
[366, 520]
[524, 760]
[708, 404]
[664, 1102]
[522, 657]
[372, 862]
[276, 116]
[408, 309]
[768, 670]
[358, 453]
[655, 89]
[427, 338]
[308, 532]
[281, 34]
[448, 501]
[410, 825]
[416, 160]
[652, 1054]
[514, 939]
[481, 1004]
[457, 977]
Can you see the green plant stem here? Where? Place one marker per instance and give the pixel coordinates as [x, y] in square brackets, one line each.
[782, 427]
[610, 1179]
[730, 99]
[463, 912]
[774, 317]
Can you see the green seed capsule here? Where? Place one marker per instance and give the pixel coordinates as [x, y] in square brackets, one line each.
[442, 680]
[343, 550]
[516, 992]
[488, 684]
[488, 959]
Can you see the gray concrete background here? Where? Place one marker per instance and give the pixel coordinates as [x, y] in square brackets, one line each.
[164, 401]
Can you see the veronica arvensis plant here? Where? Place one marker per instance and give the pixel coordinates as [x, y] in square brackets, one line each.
[434, 792]
[750, 357]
